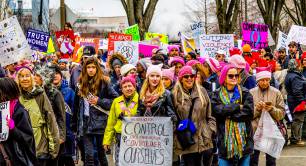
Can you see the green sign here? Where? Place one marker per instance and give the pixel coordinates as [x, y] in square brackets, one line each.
[134, 31]
[162, 38]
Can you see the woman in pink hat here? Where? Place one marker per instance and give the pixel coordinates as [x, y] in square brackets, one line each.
[233, 107]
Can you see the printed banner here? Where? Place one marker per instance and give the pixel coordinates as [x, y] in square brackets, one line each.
[146, 49]
[134, 31]
[13, 43]
[38, 40]
[297, 34]
[112, 37]
[162, 38]
[79, 45]
[210, 44]
[146, 141]
[66, 42]
[282, 40]
[197, 29]
[5, 114]
[129, 49]
[256, 35]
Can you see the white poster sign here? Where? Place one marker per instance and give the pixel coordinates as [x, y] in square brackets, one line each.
[13, 44]
[282, 40]
[297, 34]
[210, 44]
[146, 141]
[5, 114]
[197, 29]
[129, 49]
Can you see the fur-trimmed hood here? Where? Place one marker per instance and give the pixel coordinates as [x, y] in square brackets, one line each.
[119, 57]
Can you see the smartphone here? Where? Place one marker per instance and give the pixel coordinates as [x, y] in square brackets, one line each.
[268, 103]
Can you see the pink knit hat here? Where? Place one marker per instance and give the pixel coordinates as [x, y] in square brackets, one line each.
[202, 60]
[170, 47]
[192, 62]
[130, 79]
[224, 71]
[154, 69]
[176, 59]
[263, 72]
[184, 71]
[213, 64]
[238, 61]
[169, 73]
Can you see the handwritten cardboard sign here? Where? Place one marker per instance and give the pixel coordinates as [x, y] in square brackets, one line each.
[4, 113]
[161, 37]
[129, 49]
[256, 35]
[13, 43]
[197, 29]
[282, 40]
[112, 37]
[38, 40]
[210, 44]
[146, 141]
[134, 31]
[297, 34]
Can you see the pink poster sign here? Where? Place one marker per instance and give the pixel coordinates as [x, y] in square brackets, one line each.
[256, 35]
[146, 49]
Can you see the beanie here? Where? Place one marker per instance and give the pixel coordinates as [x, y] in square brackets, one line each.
[263, 72]
[184, 71]
[116, 62]
[154, 69]
[126, 68]
[89, 51]
[246, 48]
[213, 64]
[238, 61]
[176, 59]
[171, 47]
[144, 62]
[130, 79]
[192, 62]
[224, 71]
[169, 73]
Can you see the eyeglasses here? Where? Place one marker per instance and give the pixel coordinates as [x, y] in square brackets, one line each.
[188, 76]
[231, 76]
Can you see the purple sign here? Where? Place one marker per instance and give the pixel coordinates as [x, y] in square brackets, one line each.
[256, 35]
[38, 40]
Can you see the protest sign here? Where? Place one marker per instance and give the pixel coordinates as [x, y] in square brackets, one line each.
[13, 44]
[134, 31]
[81, 42]
[210, 44]
[129, 49]
[146, 49]
[197, 29]
[256, 35]
[146, 141]
[187, 43]
[38, 40]
[297, 34]
[112, 37]
[5, 114]
[103, 44]
[162, 38]
[66, 42]
[282, 40]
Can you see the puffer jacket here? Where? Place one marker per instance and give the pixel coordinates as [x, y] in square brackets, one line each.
[46, 132]
[162, 107]
[96, 122]
[295, 86]
[204, 122]
[20, 145]
[232, 111]
[114, 124]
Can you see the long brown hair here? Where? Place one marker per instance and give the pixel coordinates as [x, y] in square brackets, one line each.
[93, 84]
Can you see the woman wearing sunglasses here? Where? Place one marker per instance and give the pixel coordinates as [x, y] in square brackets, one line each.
[232, 107]
[188, 92]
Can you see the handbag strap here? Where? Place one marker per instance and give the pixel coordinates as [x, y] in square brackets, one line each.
[191, 108]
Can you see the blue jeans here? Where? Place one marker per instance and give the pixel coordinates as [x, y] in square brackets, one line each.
[244, 161]
[94, 152]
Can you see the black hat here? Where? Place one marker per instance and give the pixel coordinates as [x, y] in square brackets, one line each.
[89, 51]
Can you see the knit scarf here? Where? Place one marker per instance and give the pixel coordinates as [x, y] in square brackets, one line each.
[149, 100]
[235, 132]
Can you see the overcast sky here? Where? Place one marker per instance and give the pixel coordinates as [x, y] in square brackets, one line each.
[170, 15]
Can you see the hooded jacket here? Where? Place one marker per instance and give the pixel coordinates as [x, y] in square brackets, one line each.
[46, 133]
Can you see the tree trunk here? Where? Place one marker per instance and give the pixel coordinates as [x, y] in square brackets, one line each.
[227, 14]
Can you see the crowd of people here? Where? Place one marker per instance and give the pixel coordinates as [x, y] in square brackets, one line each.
[60, 109]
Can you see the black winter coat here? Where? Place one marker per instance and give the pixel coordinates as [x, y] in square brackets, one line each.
[162, 107]
[295, 86]
[233, 112]
[96, 122]
[20, 145]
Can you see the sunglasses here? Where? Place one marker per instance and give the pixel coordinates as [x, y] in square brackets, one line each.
[231, 76]
[188, 76]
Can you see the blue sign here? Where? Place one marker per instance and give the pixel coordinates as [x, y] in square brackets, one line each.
[38, 40]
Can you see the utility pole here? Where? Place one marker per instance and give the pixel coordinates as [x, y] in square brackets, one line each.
[20, 8]
[205, 6]
[63, 13]
[246, 10]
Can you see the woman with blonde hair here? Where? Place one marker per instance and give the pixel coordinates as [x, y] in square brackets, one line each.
[155, 100]
[191, 101]
[46, 132]
[94, 93]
